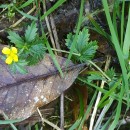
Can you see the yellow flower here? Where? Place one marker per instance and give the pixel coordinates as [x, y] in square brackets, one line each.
[11, 54]
[8, 60]
[6, 51]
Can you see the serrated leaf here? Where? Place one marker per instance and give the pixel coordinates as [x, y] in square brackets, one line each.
[19, 67]
[110, 73]
[88, 51]
[16, 39]
[31, 32]
[93, 77]
[82, 40]
[83, 47]
[36, 53]
[69, 40]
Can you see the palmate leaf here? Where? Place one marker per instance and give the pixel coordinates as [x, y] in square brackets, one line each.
[31, 32]
[19, 67]
[36, 53]
[82, 40]
[88, 51]
[83, 47]
[16, 39]
[94, 77]
[69, 40]
[111, 73]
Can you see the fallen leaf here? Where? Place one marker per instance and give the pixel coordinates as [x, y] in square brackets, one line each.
[20, 95]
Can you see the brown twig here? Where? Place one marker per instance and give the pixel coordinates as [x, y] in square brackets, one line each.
[48, 27]
[48, 122]
[55, 43]
[20, 20]
[55, 32]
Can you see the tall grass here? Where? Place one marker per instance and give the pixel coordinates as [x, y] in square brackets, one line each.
[119, 39]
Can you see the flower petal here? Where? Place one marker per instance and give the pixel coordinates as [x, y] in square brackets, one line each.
[6, 51]
[14, 50]
[9, 60]
[15, 58]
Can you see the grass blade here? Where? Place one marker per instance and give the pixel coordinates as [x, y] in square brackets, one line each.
[81, 103]
[26, 4]
[102, 114]
[87, 112]
[5, 122]
[77, 31]
[126, 46]
[52, 55]
[90, 84]
[109, 93]
[117, 48]
[56, 5]
[76, 124]
[26, 15]
[122, 23]
[118, 111]
[98, 28]
[115, 10]
[105, 126]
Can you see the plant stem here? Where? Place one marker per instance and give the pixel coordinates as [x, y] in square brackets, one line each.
[65, 52]
[99, 69]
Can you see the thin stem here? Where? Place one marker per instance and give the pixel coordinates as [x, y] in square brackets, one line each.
[99, 69]
[48, 122]
[65, 52]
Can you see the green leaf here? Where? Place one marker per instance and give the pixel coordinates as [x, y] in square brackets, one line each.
[76, 124]
[80, 19]
[31, 32]
[25, 14]
[118, 110]
[126, 46]
[93, 77]
[19, 67]
[110, 92]
[110, 73]
[81, 103]
[104, 103]
[97, 28]
[3, 5]
[89, 51]
[82, 46]
[26, 4]
[3, 122]
[16, 39]
[89, 108]
[69, 40]
[82, 40]
[55, 6]
[36, 53]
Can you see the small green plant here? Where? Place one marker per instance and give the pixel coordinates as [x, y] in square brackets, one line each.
[85, 48]
[29, 49]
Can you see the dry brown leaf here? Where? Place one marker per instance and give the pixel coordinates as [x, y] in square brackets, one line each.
[20, 95]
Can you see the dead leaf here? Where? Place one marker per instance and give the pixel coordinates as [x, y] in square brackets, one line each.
[20, 95]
